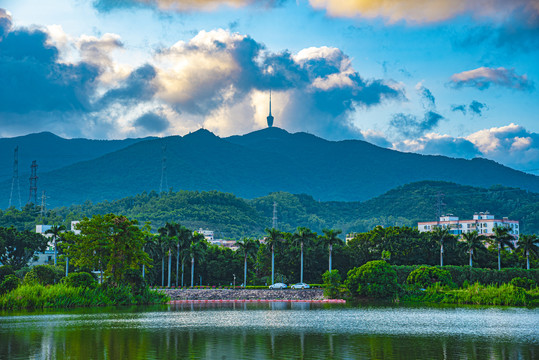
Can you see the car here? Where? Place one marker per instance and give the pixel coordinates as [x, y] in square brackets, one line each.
[300, 286]
[278, 286]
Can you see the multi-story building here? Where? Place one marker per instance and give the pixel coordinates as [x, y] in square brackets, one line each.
[484, 223]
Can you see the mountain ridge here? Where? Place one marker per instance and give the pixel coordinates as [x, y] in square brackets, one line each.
[258, 163]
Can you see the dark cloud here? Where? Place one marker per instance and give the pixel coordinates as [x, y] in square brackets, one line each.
[428, 100]
[411, 127]
[34, 80]
[477, 107]
[449, 146]
[152, 122]
[461, 108]
[137, 87]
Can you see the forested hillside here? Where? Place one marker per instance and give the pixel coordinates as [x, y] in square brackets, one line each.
[233, 217]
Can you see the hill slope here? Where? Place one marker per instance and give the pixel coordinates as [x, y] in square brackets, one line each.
[262, 162]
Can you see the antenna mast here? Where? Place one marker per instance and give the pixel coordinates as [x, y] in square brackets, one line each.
[15, 177]
[43, 199]
[33, 183]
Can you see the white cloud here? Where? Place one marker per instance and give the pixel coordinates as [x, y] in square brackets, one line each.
[482, 78]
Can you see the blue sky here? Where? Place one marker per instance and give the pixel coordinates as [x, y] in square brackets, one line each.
[448, 77]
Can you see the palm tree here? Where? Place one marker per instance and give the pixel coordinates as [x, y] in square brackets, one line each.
[56, 231]
[273, 238]
[247, 248]
[440, 236]
[502, 238]
[302, 235]
[472, 241]
[197, 249]
[170, 231]
[330, 238]
[529, 244]
[184, 240]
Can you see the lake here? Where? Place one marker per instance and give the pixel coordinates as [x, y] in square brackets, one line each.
[272, 331]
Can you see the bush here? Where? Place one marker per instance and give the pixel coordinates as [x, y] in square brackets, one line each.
[10, 282]
[426, 276]
[5, 271]
[134, 278]
[374, 279]
[523, 283]
[44, 275]
[81, 279]
[332, 283]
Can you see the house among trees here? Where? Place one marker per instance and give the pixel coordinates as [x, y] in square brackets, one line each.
[483, 222]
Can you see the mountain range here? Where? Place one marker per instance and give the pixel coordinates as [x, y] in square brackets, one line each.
[251, 165]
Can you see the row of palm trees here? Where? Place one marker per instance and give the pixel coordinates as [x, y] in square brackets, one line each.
[501, 238]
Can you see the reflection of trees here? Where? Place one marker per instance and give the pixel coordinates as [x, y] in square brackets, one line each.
[128, 336]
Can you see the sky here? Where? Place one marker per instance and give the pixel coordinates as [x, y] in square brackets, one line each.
[447, 77]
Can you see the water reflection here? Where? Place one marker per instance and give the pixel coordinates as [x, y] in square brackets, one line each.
[275, 330]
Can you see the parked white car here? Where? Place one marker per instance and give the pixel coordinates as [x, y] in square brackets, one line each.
[300, 286]
[278, 286]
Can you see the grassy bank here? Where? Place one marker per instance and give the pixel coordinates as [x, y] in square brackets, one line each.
[476, 294]
[37, 296]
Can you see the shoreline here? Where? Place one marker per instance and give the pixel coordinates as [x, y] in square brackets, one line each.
[253, 295]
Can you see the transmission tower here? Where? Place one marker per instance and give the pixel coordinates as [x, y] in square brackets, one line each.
[274, 215]
[33, 183]
[163, 169]
[439, 205]
[15, 177]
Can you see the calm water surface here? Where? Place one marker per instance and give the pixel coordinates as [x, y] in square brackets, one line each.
[272, 331]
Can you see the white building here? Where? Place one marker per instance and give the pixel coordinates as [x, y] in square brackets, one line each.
[484, 223]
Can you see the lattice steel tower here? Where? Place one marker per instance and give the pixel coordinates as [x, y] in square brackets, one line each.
[33, 183]
[15, 177]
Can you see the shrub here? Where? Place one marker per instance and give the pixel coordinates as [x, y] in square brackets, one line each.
[332, 283]
[522, 283]
[81, 279]
[10, 282]
[44, 274]
[5, 271]
[426, 276]
[374, 279]
[134, 278]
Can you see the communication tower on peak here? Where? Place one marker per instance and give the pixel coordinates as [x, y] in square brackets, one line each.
[270, 117]
[15, 177]
[33, 183]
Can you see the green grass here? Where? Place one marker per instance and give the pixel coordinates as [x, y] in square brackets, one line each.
[477, 294]
[36, 296]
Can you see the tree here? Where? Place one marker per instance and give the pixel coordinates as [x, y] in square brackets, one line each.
[303, 235]
[330, 238]
[502, 238]
[18, 248]
[472, 241]
[529, 244]
[110, 243]
[56, 232]
[184, 240]
[440, 236]
[273, 237]
[170, 232]
[197, 249]
[247, 248]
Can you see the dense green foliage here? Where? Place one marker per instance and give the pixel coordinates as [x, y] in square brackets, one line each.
[18, 247]
[37, 296]
[81, 279]
[332, 284]
[426, 276]
[375, 279]
[9, 283]
[44, 275]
